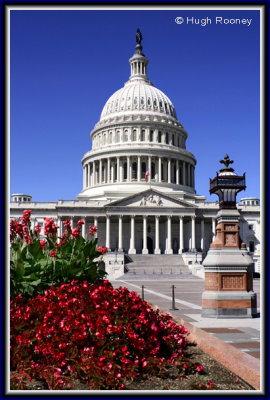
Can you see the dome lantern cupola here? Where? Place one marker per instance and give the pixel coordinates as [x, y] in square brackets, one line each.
[138, 63]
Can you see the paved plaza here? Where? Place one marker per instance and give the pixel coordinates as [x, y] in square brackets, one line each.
[242, 333]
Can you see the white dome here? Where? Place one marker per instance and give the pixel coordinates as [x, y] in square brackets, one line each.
[138, 131]
[138, 96]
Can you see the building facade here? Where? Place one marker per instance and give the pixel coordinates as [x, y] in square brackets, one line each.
[139, 183]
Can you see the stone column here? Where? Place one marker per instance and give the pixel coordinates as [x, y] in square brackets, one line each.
[89, 175]
[108, 170]
[169, 235]
[181, 235]
[213, 228]
[59, 223]
[149, 168]
[169, 170]
[202, 234]
[121, 169]
[83, 227]
[113, 177]
[184, 173]
[145, 249]
[159, 169]
[177, 172]
[193, 239]
[157, 249]
[96, 224]
[94, 173]
[188, 177]
[120, 233]
[132, 249]
[108, 233]
[72, 222]
[100, 172]
[84, 178]
[128, 169]
[139, 169]
[118, 169]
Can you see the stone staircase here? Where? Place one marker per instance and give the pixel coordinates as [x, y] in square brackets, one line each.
[156, 266]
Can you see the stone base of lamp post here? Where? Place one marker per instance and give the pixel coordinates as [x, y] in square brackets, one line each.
[228, 273]
[228, 285]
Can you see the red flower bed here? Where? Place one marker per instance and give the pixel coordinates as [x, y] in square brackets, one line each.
[97, 334]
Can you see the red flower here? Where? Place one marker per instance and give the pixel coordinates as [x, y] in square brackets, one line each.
[42, 244]
[50, 227]
[26, 216]
[37, 229]
[80, 222]
[92, 230]
[102, 249]
[146, 176]
[199, 368]
[76, 232]
[67, 224]
[52, 253]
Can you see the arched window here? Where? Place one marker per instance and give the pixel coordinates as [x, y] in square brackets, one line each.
[159, 137]
[103, 173]
[125, 170]
[162, 171]
[143, 136]
[134, 134]
[117, 139]
[173, 139]
[135, 100]
[126, 135]
[142, 100]
[153, 170]
[151, 136]
[134, 170]
[251, 247]
[178, 141]
[143, 170]
[167, 138]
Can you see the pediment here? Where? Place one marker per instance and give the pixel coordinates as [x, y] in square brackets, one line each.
[151, 199]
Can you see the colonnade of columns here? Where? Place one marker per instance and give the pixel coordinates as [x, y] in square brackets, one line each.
[157, 250]
[129, 169]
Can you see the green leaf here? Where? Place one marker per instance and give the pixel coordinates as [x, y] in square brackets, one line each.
[34, 248]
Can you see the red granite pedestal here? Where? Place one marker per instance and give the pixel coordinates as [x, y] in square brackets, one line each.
[228, 273]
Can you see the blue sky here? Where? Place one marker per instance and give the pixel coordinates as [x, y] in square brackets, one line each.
[66, 64]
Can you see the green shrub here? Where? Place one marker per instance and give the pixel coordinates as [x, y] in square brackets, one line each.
[36, 264]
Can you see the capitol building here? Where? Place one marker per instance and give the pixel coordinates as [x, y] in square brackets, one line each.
[139, 184]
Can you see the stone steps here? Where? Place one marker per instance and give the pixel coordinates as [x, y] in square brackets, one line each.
[155, 259]
[141, 264]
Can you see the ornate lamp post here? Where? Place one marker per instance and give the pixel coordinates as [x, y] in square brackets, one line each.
[228, 267]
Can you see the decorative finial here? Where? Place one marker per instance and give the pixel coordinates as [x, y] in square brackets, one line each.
[138, 36]
[226, 161]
